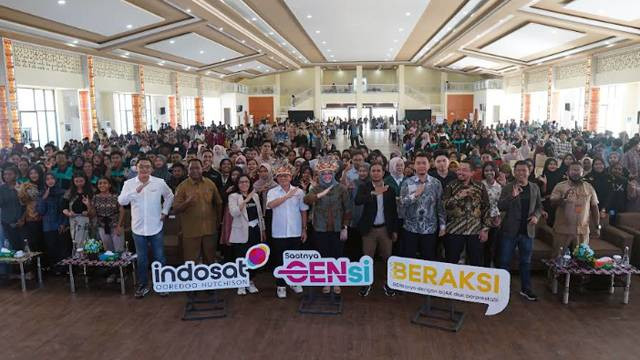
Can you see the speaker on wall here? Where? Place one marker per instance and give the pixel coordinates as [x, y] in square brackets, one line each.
[638, 117]
[162, 110]
[567, 107]
[239, 108]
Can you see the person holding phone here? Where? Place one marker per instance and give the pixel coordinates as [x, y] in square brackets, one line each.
[75, 206]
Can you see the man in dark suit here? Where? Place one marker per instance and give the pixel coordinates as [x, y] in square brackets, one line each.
[520, 204]
[379, 221]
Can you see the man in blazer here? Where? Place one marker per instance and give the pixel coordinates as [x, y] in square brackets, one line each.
[378, 224]
[520, 204]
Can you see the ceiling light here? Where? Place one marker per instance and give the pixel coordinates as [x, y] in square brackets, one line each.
[61, 2]
[449, 28]
[220, 28]
[401, 30]
[271, 57]
[239, 65]
[390, 49]
[407, 14]
[223, 59]
[188, 68]
[71, 44]
[331, 55]
[395, 40]
[208, 72]
[324, 43]
[242, 41]
[610, 45]
[76, 41]
[267, 70]
[201, 51]
[161, 63]
[172, 41]
[188, 10]
[258, 67]
[309, 16]
[329, 50]
[129, 26]
[317, 31]
[270, 32]
[221, 76]
[284, 43]
[253, 19]
[126, 54]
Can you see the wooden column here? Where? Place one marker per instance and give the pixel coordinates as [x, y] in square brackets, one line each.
[136, 106]
[172, 112]
[526, 107]
[12, 104]
[92, 93]
[85, 118]
[143, 113]
[198, 102]
[587, 93]
[4, 118]
[522, 90]
[594, 106]
[549, 91]
[175, 84]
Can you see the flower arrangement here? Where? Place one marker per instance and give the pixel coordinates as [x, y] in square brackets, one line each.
[92, 248]
[584, 254]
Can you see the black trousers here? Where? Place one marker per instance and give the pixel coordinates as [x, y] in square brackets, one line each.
[14, 235]
[491, 248]
[328, 243]
[56, 248]
[280, 245]
[455, 244]
[353, 245]
[32, 231]
[240, 250]
[411, 242]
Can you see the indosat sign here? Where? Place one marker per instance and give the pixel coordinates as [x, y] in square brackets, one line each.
[459, 282]
[192, 277]
[307, 268]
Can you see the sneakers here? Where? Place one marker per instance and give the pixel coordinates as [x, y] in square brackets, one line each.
[141, 292]
[111, 279]
[337, 290]
[388, 291]
[242, 291]
[281, 291]
[252, 288]
[326, 289]
[296, 289]
[365, 291]
[528, 294]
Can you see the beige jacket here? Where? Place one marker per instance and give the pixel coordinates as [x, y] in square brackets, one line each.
[240, 223]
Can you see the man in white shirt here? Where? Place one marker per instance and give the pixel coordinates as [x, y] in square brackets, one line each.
[145, 192]
[289, 224]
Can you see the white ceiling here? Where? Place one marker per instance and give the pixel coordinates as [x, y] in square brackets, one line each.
[195, 47]
[354, 30]
[531, 39]
[103, 17]
[625, 10]
[251, 65]
[472, 62]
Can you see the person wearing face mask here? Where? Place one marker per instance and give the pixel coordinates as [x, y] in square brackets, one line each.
[330, 213]
[576, 205]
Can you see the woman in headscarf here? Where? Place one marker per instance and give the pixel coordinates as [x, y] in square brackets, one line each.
[396, 174]
[219, 153]
[601, 182]
[551, 176]
[29, 193]
[330, 214]
[567, 160]
[525, 150]
[512, 155]
[160, 169]
[241, 162]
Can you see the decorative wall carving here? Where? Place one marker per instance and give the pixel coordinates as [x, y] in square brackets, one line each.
[618, 62]
[211, 84]
[512, 81]
[43, 58]
[570, 71]
[187, 81]
[157, 76]
[537, 77]
[114, 69]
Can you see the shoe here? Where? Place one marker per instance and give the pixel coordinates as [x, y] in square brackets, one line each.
[365, 291]
[337, 290]
[281, 291]
[389, 291]
[163, 294]
[242, 291]
[528, 294]
[141, 292]
[252, 288]
[111, 278]
[326, 290]
[296, 289]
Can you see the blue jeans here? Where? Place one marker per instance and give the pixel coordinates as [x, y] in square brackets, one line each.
[142, 250]
[525, 247]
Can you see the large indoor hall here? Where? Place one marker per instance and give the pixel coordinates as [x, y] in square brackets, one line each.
[361, 179]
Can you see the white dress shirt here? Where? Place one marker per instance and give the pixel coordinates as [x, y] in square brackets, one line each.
[287, 221]
[146, 206]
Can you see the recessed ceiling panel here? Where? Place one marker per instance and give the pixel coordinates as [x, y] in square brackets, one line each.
[195, 47]
[531, 39]
[474, 62]
[251, 65]
[358, 30]
[625, 10]
[104, 17]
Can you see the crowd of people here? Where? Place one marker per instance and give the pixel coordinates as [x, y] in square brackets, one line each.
[451, 192]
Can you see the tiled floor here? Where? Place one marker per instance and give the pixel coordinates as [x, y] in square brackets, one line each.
[374, 139]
